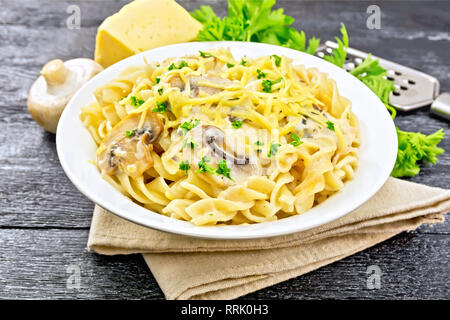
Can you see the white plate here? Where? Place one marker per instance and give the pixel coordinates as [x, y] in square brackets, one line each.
[376, 157]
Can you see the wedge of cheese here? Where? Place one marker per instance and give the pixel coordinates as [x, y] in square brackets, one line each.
[142, 25]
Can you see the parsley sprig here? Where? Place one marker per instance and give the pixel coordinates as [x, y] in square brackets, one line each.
[273, 149]
[251, 20]
[204, 167]
[267, 84]
[161, 107]
[295, 140]
[330, 125]
[136, 102]
[261, 74]
[277, 59]
[223, 169]
[236, 124]
[205, 54]
[184, 166]
[339, 54]
[180, 66]
[189, 125]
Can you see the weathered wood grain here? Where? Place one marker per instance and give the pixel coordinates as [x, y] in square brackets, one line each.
[34, 264]
[44, 219]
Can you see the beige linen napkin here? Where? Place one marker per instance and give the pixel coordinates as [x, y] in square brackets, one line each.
[189, 268]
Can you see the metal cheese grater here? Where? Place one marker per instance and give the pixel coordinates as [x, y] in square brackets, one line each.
[413, 89]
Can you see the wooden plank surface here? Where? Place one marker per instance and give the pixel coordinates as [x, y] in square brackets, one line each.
[44, 220]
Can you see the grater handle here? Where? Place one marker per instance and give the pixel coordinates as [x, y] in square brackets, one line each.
[441, 105]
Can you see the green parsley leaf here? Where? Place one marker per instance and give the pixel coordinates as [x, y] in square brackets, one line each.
[230, 65]
[373, 76]
[330, 125]
[236, 124]
[158, 79]
[189, 143]
[339, 54]
[297, 41]
[160, 91]
[205, 54]
[180, 66]
[223, 169]
[415, 148]
[160, 107]
[184, 166]
[187, 126]
[204, 167]
[273, 149]
[261, 74]
[296, 140]
[277, 59]
[129, 133]
[258, 144]
[243, 62]
[267, 84]
[135, 102]
[250, 20]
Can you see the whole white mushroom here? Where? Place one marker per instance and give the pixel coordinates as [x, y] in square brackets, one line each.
[58, 82]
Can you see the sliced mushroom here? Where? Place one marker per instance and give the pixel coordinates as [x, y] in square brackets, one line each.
[58, 82]
[127, 147]
[194, 81]
[241, 166]
[214, 138]
[308, 128]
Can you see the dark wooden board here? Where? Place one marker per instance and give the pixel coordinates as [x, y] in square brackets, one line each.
[35, 263]
[44, 220]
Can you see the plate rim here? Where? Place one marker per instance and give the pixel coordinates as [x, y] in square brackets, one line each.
[208, 231]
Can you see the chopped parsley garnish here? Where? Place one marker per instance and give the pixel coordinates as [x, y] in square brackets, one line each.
[158, 79]
[243, 62]
[180, 66]
[205, 54]
[261, 74]
[259, 144]
[187, 126]
[223, 169]
[277, 59]
[267, 85]
[184, 166]
[296, 140]
[236, 124]
[204, 167]
[135, 102]
[129, 133]
[160, 91]
[230, 65]
[188, 142]
[330, 125]
[160, 107]
[273, 149]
